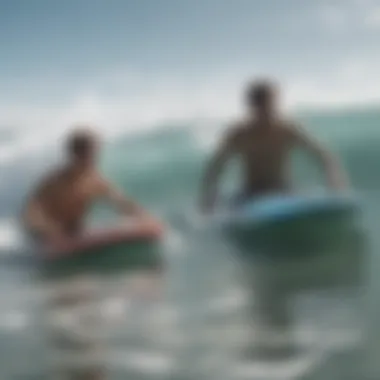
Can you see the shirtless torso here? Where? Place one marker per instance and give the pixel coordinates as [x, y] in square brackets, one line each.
[263, 153]
[59, 206]
[263, 149]
[66, 197]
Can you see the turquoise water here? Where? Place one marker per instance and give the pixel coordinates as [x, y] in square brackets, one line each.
[198, 329]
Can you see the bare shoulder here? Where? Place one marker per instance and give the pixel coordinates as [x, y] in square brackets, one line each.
[292, 128]
[298, 135]
[289, 125]
[101, 185]
[98, 180]
[52, 177]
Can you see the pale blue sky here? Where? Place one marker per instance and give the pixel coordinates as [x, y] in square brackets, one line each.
[126, 59]
[71, 42]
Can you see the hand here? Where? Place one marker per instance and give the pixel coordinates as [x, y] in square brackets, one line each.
[145, 220]
[151, 222]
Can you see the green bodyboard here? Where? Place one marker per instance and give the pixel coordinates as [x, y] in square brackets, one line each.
[106, 261]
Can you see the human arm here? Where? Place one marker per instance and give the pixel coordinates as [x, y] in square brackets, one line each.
[335, 175]
[124, 204]
[214, 169]
[34, 216]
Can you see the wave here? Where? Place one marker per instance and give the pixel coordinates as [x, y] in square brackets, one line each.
[162, 168]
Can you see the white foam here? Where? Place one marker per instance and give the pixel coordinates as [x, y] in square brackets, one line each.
[144, 362]
[287, 370]
[9, 235]
[174, 243]
[40, 126]
[207, 135]
[166, 315]
[13, 321]
[233, 299]
[116, 308]
[143, 103]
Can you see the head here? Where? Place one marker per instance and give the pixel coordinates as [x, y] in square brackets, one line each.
[82, 148]
[261, 98]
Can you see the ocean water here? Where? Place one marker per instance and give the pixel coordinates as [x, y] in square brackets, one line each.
[206, 314]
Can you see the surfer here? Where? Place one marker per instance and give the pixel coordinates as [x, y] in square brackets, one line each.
[58, 206]
[56, 212]
[262, 142]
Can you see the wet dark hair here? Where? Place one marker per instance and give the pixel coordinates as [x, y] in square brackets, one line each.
[259, 92]
[80, 142]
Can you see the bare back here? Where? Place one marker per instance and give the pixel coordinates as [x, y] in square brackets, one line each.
[263, 152]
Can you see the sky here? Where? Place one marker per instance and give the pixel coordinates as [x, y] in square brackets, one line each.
[119, 63]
